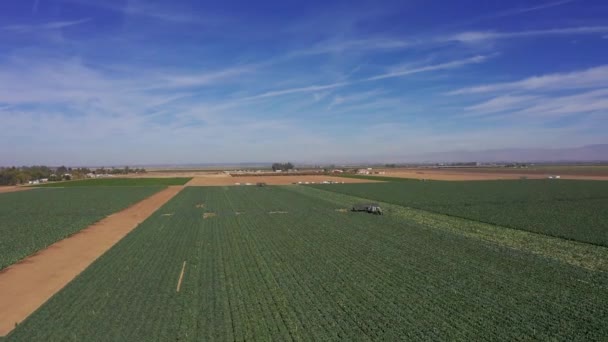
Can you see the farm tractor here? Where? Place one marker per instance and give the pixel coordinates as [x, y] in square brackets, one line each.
[372, 208]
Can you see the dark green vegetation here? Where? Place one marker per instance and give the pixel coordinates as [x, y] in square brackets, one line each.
[121, 182]
[376, 178]
[568, 209]
[284, 263]
[32, 220]
[21, 175]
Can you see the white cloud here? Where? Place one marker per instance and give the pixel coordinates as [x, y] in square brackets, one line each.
[192, 80]
[54, 25]
[442, 66]
[392, 74]
[370, 44]
[540, 109]
[308, 89]
[516, 11]
[482, 36]
[572, 105]
[499, 104]
[320, 95]
[353, 98]
[144, 9]
[589, 78]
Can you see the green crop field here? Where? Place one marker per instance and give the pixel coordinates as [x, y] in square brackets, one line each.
[289, 263]
[119, 182]
[32, 220]
[568, 209]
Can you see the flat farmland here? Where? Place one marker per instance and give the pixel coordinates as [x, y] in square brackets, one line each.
[563, 208]
[32, 220]
[119, 181]
[498, 173]
[290, 263]
[222, 179]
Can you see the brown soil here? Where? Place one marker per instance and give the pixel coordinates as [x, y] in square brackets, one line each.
[25, 286]
[208, 215]
[172, 174]
[13, 188]
[181, 276]
[219, 180]
[465, 175]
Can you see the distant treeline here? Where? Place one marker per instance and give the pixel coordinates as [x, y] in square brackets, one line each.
[282, 166]
[23, 174]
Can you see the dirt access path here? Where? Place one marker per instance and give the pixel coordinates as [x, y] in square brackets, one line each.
[13, 188]
[25, 286]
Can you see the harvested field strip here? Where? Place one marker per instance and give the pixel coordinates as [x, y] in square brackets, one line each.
[567, 251]
[26, 286]
[33, 220]
[573, 210]
[119, 182]
[315, 274]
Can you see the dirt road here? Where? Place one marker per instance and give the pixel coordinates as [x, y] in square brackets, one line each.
[13, 188]
[28, 284]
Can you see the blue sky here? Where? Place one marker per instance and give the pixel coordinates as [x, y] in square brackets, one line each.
[164, 82]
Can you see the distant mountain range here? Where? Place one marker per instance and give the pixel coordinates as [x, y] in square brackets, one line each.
[589, 153]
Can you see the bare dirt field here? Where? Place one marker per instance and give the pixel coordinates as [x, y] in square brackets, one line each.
[219, 180]
[173, 174]
[28, 284]
[13, 188]
[479, 174]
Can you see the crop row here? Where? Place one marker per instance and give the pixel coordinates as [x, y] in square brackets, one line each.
[275, 264]
[32, 220]
[573, 210]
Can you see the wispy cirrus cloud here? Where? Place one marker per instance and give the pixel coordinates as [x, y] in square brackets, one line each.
[499, 104]
[589, 78]
[392, 74]
[143, 9]
[483, 36]
[201, 79]
[351, 98]
[521, 10]
[353, 45]
[442, 66]
[540, 109]
[53, 25]
[560, 106]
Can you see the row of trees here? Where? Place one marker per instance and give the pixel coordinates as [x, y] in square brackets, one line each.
[115, 171]
[19, 175]
[22, 175]
[282, 166]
